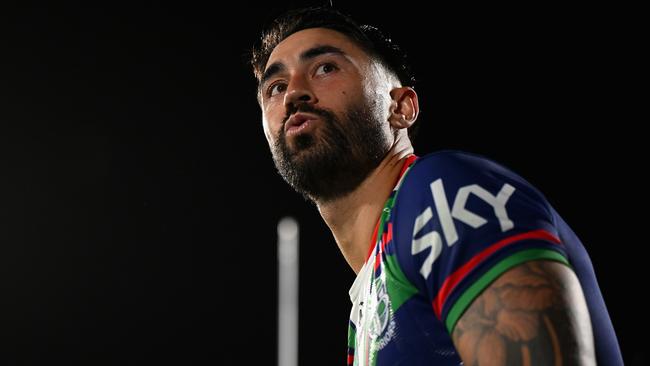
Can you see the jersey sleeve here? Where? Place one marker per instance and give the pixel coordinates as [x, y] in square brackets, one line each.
[460, 221]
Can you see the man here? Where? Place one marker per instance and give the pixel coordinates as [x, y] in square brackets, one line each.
[457, 258]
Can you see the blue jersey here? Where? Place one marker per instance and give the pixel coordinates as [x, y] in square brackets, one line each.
[453, 224]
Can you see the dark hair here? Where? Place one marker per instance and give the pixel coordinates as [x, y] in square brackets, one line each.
[369, 38]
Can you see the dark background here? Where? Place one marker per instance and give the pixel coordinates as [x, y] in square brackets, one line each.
[139, 202]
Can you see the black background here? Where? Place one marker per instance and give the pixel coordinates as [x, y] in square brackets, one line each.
[138, 199]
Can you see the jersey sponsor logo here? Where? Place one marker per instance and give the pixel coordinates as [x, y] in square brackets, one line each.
[433, 240]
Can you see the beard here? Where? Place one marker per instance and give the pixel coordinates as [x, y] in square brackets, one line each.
[333, 159]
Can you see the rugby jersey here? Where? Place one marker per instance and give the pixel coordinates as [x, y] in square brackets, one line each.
[454, 222]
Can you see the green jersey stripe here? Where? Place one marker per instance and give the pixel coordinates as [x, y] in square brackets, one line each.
[473, 291]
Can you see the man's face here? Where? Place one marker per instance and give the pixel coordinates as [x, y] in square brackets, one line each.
[325, 109]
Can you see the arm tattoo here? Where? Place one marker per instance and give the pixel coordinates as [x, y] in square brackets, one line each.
[533, 314]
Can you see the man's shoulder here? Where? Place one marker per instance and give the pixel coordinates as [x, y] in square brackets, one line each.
[453, 174]
[458, 166]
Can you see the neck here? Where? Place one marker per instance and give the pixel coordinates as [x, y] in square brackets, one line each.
[352, 218]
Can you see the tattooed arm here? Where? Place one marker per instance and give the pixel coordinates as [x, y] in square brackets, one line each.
[533, 314]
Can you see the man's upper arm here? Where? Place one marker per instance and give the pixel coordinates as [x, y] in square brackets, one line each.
[533, 314]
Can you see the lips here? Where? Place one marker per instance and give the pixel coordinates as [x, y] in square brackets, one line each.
[297, 122]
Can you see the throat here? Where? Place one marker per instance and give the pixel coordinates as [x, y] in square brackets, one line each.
[353, 229]
[355, 219]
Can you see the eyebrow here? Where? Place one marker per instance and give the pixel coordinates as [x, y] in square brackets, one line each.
[277, 67]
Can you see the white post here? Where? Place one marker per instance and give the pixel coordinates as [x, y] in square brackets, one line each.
[288, 292]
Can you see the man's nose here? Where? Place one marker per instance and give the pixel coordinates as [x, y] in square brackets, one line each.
[299, 92]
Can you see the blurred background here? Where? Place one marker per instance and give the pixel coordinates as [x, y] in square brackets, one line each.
[139, 202]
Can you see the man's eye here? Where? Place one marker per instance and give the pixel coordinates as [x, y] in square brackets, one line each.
[279, 88]
[325, 68]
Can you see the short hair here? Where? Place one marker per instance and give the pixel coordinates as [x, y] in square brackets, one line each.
[368, 37]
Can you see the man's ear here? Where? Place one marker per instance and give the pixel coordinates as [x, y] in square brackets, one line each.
[404, 108]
